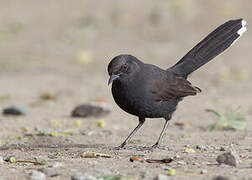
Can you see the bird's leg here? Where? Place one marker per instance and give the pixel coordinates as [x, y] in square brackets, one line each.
[141, 122]
[162, 134]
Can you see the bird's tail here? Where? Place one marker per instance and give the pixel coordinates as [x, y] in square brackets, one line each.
[214, 44]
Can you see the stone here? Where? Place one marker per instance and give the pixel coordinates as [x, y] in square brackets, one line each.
[15, 111]
[91, 110]
[77, 176]
[229, 158]
[36, 175]
[161, 177]
[203, 171]
[50, 172]
[220, 178]
[82, 176]
[57, 165]
[1, 160]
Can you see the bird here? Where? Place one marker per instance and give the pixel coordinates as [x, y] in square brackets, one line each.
[147, 91]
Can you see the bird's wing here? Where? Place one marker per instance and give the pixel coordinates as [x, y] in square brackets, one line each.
[175, 87]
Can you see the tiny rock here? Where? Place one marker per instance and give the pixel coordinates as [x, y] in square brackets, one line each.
[161, 177]
[89, 177]
[229, 158]
[36, 175]
[103, 171]
[176, 156]
[189, 150]
[91, 110]
[1, 160]
[220, 178]
[15, 111]
[84, 176]
[50, 172]
[203, 171]
[201, 147]
[181, 163]
[77, 176]
[57, 165]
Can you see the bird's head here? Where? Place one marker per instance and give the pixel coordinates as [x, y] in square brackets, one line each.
[123, 67]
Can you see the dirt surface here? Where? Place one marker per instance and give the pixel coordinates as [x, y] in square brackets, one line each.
[62, 48]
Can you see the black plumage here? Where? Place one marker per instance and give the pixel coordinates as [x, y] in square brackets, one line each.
[148, 91]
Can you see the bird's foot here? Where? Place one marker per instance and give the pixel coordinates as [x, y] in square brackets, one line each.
[122, 146]
[119, 147]
[141, 148]
[125, 147]
[151, 148]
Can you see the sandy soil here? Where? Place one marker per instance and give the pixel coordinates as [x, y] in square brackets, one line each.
[63, 48]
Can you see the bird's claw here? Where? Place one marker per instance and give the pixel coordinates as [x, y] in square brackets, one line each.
[151, 148]
[141, 148]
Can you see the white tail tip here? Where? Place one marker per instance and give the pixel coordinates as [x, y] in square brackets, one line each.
[243, 29]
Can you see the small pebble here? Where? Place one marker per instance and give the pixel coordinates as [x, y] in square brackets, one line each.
[13, 110]
[77, 176]
[196, 164]
[88, 132]
[229, 158]
[57, 165]
[220, 178]
[36, 175]
[181, 163]
[80, 176]
[50, 172]
[161, 177]
[189, 150]
[89, 177]
[176, 157]
[92, 162]
[203, 171]
[201, 147]
[1, 160]
[90, 110]
[103, 171]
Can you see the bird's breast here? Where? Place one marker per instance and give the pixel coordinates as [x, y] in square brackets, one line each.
[136, 100]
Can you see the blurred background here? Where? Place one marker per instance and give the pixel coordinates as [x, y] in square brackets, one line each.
[54, 56]
[41, 41]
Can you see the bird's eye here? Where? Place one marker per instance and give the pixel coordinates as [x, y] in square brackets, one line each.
[124, 67]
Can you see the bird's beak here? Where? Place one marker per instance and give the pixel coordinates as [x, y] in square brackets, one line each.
[112, 78]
